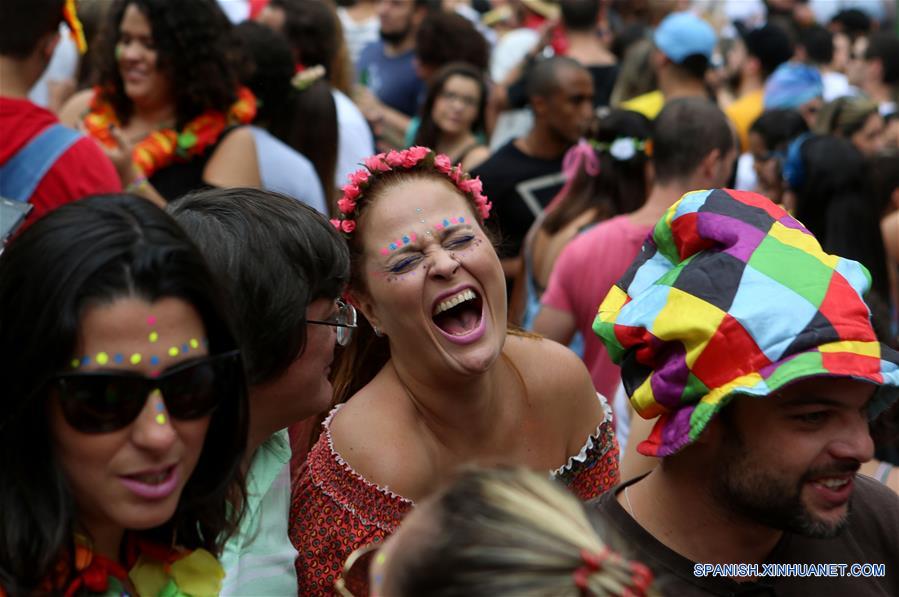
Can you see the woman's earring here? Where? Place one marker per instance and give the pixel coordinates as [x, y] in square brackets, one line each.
[378, 331]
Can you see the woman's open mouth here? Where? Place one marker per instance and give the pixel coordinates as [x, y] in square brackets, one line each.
[460, 316]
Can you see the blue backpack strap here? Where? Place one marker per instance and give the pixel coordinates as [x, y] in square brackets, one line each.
[21, 174]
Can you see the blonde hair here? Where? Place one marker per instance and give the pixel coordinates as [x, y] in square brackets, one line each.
[510, 531]
[844, 116]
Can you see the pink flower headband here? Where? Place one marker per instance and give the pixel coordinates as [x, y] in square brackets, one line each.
[406, 159]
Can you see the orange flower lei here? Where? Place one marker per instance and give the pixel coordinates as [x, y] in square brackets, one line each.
[163, 147]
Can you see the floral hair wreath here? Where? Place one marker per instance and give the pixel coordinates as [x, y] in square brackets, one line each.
[407, 159]
[624, 148]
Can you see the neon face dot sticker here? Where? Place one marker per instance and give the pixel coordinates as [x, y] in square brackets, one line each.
[385, 252]
[405, 240]
[119, 358]
[102, 358]
[159, 405]
[75, 363]
[461, 220]
[185, 347]
[151, 320]
[160, 418]
[85, 361]
[173, 351]
[154, 360]
[393, 246]
[445, 222]
[194, 344]
[154, 336]
[135, 359]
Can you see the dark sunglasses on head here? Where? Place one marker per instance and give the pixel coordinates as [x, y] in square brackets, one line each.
[102, 401]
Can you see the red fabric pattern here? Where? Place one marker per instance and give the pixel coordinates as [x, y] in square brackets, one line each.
[335, 511]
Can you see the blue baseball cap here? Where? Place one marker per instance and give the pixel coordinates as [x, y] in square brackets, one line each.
[683, 34]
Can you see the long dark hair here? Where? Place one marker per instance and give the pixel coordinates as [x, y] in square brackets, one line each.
[87, 253]
[195, 44]
[305, 119]
[833, 203]
[428, 134]
[620, 186]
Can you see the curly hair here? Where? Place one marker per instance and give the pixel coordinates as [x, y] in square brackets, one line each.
[196, 52]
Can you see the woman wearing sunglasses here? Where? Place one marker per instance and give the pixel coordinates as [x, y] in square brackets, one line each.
[123, 419]
[282, 267]
[432, 379]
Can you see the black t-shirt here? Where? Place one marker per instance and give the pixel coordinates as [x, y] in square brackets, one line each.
[871, 537]
[604, 78]
[519, 186]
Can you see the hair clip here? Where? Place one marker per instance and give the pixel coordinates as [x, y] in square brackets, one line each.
[306, 77]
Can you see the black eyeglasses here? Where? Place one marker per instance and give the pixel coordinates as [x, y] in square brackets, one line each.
[344, 320]
[101, 402]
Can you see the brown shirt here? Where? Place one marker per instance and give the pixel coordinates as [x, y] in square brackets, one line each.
[871, 537]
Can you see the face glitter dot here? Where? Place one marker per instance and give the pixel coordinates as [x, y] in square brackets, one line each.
[461, 220]
[185, 347]
[154, 360]
[85, 361]
[159, 405]
[151, 320]
[405, 240]
[173, 351]
[194, 343]
[160, 418]
[154, 336]
[102, 358]
[75, 363]
[393, 246]
[119, 358]
[385, 252]
[135, 359]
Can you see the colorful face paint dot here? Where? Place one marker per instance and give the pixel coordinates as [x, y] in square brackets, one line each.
[405, 240]
[393, 246]
[461, 220]
[135, 359]
[173, 351]
[160, 418]
[119, 358]
[159, 405]
[154, 336]
[380, 558]
[422, 221]
[151, 320]
[75, 363]
[85, 361]
[185, 347]
[154, 373]
[446, 222]
[154, 360]
[413, 237]
[102, 358]
[385, 252]
[194, 344]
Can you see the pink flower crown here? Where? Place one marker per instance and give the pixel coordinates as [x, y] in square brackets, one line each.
[406, 159]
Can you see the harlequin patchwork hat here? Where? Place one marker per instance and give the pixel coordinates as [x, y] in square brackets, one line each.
[731, 295]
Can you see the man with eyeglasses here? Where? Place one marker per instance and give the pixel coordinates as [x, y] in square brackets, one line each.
[282, 268]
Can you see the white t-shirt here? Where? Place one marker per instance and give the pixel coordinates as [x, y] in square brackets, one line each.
[355, 141]
[358, 35]
[285, 170]
[63, 65]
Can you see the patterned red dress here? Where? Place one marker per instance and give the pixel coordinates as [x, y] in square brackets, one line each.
[335, 511]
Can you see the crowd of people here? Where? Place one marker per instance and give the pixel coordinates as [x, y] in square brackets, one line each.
[468, 297]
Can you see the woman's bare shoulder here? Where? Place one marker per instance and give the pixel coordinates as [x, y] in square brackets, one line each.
[375, 435]
[74, 110]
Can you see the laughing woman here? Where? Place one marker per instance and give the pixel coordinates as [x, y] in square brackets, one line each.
[433, 380]
[123, 419]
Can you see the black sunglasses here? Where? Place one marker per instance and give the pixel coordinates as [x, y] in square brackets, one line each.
[101, 402]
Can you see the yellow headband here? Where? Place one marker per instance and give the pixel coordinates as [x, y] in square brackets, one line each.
[70, 16]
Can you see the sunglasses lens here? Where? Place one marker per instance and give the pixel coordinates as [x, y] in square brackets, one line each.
[194, 392]
[101, 404]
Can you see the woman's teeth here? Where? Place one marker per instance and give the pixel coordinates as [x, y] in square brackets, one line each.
[466, 295]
